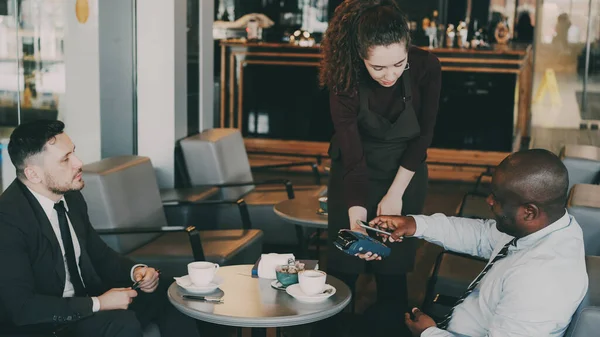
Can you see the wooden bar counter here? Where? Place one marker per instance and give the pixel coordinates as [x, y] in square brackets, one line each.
[270, 92]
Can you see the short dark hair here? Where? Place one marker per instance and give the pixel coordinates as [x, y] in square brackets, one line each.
[537, 176]
[29, 139]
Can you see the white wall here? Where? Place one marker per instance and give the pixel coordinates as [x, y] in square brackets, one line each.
[161, 89]
[80, 107]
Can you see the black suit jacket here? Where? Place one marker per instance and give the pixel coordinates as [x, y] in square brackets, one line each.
[32, 278]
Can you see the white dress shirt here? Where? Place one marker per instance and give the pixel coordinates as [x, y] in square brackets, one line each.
[48, 207]
[533, 291]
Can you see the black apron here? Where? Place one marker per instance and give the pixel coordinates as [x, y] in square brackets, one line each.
[384, 144]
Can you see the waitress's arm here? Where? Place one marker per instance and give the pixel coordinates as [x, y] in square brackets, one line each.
[344, 114]
[401, 181]
[429, 78]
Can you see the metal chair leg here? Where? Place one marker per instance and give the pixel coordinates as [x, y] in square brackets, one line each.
[302, 243]
[318, 243]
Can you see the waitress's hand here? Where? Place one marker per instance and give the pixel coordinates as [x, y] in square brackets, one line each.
[355, 227]
[360, 213]
[390, 204]
[368, 256]
[400, 226]
[357, 213]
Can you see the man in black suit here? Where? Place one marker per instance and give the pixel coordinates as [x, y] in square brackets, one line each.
[57, 271]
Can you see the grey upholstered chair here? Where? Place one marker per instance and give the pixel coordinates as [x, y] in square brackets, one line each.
[218, 157]
[584, 205]
[586, 321]
[582, 162]
[123, 197]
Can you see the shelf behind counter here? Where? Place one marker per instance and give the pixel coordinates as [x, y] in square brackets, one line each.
[270, 92]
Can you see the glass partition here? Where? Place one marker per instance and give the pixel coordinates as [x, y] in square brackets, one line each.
[31, 60]
[9, 65]
[567, 64]
[32, 69]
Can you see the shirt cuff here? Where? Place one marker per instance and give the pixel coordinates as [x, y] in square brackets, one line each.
[133, 269]
[429, 332]
[95, 304]
[421, 225]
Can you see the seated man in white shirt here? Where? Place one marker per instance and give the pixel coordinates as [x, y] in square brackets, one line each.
[57, 272]
[536, 277]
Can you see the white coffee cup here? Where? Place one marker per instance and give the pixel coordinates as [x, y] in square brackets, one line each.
[312, 282]
[202, 273]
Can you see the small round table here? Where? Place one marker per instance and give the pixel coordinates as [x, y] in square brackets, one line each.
[302, 212]
[253, 303]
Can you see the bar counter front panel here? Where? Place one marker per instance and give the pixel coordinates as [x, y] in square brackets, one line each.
[270, 91]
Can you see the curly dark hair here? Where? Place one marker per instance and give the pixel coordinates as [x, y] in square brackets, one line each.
[356, 26]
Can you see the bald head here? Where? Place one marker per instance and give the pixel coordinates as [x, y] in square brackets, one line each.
[535, 176]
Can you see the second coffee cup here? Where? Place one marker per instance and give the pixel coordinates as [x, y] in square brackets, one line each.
[312, 282]
[202, 273]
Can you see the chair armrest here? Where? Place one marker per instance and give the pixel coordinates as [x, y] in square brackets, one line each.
[314, 166]
[286, 183]
[140, 230]
[193, 233]
[448, 280]
[241, 204]
[585, 323]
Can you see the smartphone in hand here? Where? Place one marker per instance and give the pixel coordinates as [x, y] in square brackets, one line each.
[366, 226]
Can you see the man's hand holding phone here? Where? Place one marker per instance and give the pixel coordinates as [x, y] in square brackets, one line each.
[366, 226]
[394, 227]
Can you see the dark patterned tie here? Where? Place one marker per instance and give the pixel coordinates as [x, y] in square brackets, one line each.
[65, 233]
[501, 254]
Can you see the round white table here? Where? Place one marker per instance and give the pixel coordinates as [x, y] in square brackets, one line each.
[302, 212]
[253, 303]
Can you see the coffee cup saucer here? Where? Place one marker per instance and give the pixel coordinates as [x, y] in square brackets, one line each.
[277, 285]
[186, 283]
[296, 292]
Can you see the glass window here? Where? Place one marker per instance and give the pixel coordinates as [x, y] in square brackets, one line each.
[31, 60]
[566, 93]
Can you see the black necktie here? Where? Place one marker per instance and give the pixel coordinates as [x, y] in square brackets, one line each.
[501, 254]
[65, 233]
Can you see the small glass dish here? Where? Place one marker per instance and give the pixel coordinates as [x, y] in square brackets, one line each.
[288, 274]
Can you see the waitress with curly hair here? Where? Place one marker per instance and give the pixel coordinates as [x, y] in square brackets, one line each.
[384, 96]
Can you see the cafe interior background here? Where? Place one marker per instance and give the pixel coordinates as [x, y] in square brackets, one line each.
[102, 66]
